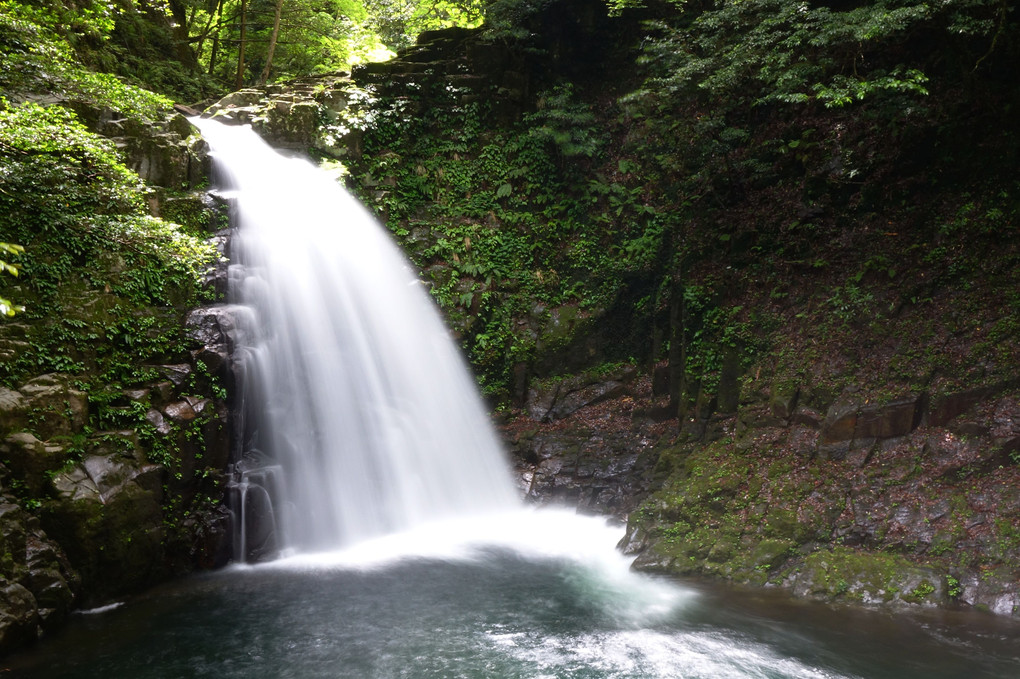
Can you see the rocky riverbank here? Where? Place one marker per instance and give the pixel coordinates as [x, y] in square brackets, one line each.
[912, 502]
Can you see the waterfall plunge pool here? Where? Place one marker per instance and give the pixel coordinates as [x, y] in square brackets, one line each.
[353, 389]
[549, 598]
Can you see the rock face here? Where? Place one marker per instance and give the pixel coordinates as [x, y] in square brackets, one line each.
[48, 401]
[869, 503]
[598, 458]
[98, 525]
[37, 584]
[160, 153]
[558, 398]
[292, 116]
[107, 489]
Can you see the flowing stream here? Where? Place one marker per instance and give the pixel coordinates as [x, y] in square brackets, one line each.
[379, 533]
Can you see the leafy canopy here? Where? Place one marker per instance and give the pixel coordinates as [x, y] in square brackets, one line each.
[37, 56]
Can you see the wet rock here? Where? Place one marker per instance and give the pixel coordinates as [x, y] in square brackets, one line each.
[19, 616]
[582, 467]
[29, 459]
[55, 406]
[840, 423]
[37, 586]
[106, 513]
[216, 331]
[217, 275]
[849, 421]
[177, 373]
[566, 396]
[888, 420]
[137, 394]
[180, 412]
[943, 409]
[156, 419]
[49, 579]
[75, 484]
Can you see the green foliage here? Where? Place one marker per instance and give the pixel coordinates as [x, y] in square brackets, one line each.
[508, 19]
[501, 220]
[37, 55]
[8, 308]
[566, 122]
[773, 50]
[712, 329]
[314, 37]
[397, 23]
[93, 255]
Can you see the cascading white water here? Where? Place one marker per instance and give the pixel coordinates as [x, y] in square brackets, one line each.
[364, 398]
[372, 426]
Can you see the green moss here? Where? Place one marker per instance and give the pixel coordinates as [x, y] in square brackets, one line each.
[920, 593]
[866, 576]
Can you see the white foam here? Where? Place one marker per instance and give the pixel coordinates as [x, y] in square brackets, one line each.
[648, 653]
[584, 545]
[101, 609]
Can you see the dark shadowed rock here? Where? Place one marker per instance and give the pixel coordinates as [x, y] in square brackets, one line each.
[19, 616]
[560, 398]
[888, 420]
[55, 406]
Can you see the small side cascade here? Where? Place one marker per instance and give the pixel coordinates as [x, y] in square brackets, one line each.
[252, 487]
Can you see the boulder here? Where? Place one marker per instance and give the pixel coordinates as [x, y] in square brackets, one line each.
[888, 420]
[566, 396]
[945, 408]
[216, 331]
[47, 404]
[849, 421]
[19, 616]
[106, 512]
[37, 586]
[29, 459]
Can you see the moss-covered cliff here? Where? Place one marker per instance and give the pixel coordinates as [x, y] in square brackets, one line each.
[113, 412]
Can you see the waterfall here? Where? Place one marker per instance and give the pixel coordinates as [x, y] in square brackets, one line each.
[358, 405]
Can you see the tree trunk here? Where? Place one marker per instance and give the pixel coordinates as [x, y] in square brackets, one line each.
[239, 79]
[677, 335]
[272, 44]
[180, 28]
[214, 50]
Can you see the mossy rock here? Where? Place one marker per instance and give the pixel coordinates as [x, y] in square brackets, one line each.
[868, 577]
[190, 211]
[106, 514]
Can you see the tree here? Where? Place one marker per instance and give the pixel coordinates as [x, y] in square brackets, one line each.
[8, 308]
[719, 73]
[263, 40]
[272, 44]
[242, 45]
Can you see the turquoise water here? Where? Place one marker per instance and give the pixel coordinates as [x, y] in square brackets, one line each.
[498, 613]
